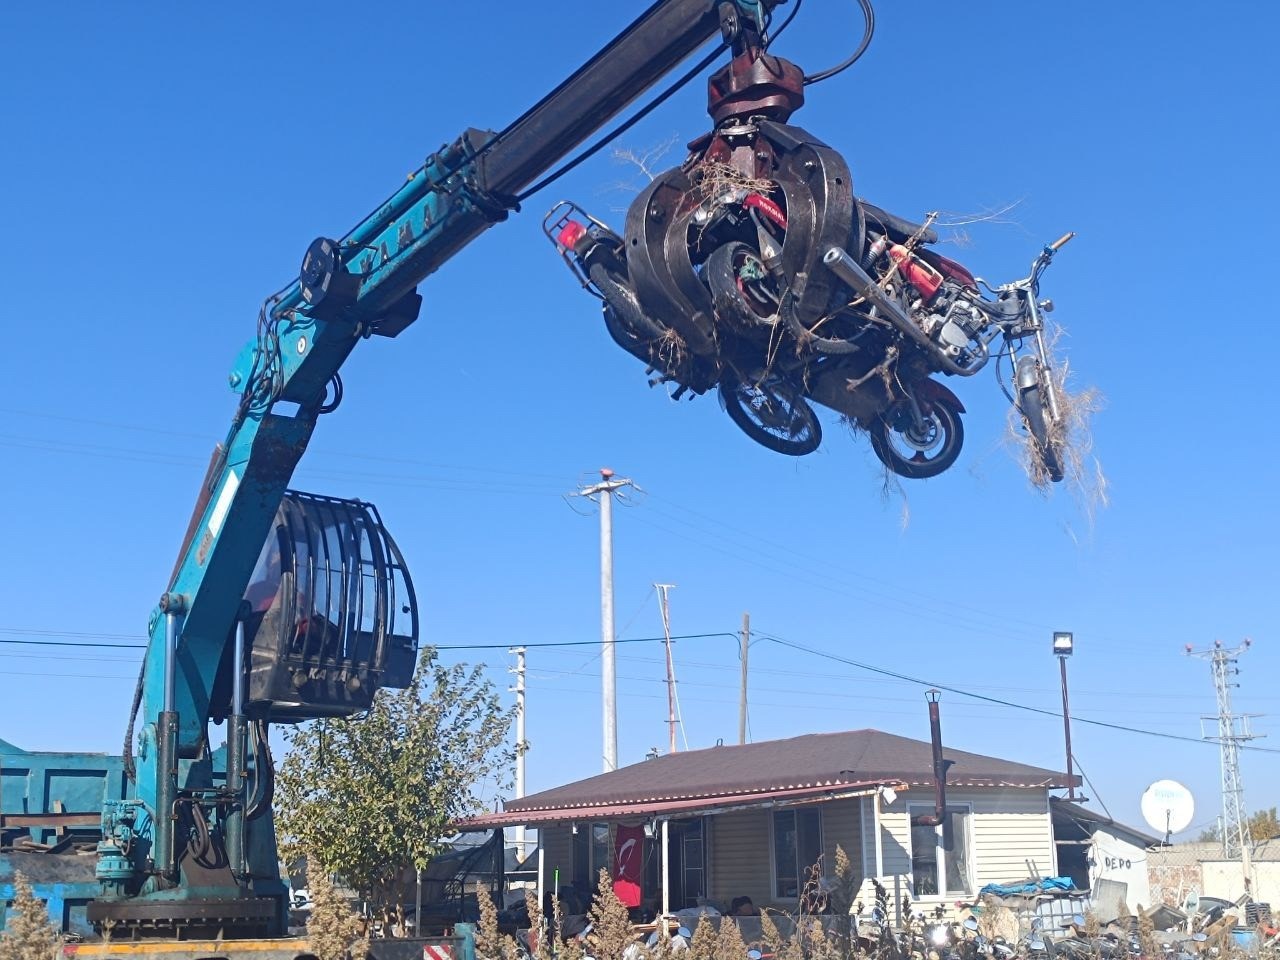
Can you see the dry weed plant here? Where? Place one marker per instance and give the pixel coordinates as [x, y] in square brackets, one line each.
[542, 949]
[29, 934]
[997, 921]
[610, 922]
[334, 930]
[774, 942]
[1147, 935]
[570, 949]
[702, 946]
[491, 943]
[729, 943]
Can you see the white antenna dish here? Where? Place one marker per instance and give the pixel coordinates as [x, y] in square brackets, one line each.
[1167, 807]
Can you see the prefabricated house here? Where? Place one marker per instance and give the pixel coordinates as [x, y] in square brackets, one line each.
[707, 826]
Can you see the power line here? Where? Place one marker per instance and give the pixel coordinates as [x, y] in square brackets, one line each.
[434, 646]
[997, 700]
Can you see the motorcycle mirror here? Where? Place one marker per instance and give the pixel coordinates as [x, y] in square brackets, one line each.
[971, 924]
[754, 955]
[684, 932]
[1036, 944]
[1079, 920]
[1200, 937]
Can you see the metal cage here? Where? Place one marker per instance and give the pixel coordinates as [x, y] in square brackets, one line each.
[333, 616]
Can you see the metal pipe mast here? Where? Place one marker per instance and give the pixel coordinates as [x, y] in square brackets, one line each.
[605, 489]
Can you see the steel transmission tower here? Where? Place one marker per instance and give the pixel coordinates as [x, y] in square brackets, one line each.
[1233, 730]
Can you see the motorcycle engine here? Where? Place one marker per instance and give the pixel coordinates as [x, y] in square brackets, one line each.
[953, 323]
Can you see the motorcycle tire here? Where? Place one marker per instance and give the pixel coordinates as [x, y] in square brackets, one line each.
[624, 336]
[919, 466]
[733, 304]
[619, 295]
[1031, 406]
[773, 413]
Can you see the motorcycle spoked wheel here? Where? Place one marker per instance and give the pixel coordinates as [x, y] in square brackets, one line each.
[742, 290]
[915, 454]
[773, 413]
[1032, 406]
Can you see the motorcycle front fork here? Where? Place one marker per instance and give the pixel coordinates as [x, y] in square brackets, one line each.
[1042, 350]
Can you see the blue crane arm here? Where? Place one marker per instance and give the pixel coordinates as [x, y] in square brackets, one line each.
[359, 285]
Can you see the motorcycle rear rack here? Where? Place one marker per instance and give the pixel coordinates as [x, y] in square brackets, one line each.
[557, 218]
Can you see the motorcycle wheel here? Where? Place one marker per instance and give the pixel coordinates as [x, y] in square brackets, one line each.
[627, 311]
[746, 301]
[1032, 407]
[918, 457]
[772, 413]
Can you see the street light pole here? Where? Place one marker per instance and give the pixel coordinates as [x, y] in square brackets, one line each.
[1063, 646]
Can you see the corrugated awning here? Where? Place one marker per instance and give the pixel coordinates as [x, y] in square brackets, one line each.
[666, 808]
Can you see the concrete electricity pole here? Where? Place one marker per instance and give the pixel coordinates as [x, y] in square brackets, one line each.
[664, 605]
[521, 748]
[745, 640]
[608, 661]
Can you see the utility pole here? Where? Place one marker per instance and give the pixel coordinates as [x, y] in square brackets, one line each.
[521, 746]
[608, 661]
[1233, 730]
[1063, 647]
[664, 605]
[745, 640]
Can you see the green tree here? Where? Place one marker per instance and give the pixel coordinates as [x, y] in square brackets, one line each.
[28, 933]
[366, 797]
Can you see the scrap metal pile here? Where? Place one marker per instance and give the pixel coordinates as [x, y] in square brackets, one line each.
[753, 268]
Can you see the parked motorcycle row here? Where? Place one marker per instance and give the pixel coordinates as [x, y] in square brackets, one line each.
[753, 269]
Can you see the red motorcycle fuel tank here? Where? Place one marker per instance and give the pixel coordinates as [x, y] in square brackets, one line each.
[915, 271]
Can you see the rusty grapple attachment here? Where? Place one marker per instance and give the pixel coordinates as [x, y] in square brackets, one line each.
[332, 612]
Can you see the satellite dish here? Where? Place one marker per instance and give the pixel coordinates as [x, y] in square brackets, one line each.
[1167, 807]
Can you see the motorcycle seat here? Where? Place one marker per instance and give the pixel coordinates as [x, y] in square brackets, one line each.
[896, 228]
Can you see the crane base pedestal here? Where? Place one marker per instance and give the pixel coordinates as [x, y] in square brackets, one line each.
[186, 919]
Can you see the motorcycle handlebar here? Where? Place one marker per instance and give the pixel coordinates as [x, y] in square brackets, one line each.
[1062, 241]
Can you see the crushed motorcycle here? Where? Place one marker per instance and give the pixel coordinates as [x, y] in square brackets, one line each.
[754, 270]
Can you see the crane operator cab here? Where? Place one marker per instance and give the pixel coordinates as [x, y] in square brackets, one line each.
[332, 616]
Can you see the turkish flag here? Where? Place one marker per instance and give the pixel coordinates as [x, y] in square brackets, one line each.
[628, 864]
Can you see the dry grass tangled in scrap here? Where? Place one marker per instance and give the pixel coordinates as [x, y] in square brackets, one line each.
[1083, 475]
[715, 179]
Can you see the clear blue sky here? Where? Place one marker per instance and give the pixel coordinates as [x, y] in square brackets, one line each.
[165, 166]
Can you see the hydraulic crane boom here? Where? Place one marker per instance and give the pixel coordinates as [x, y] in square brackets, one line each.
[186, 852]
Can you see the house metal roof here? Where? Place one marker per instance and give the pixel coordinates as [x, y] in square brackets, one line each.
[813, 766]
[1082, 817]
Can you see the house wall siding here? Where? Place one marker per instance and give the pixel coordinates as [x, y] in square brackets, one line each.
[557, 851]
[842, 826]
[1008, 828]
[740, 857]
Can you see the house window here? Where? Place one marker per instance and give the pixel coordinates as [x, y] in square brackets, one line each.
[935, 869]
[797, 846]
[592, 852]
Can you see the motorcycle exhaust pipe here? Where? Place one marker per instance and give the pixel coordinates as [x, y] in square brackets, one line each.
[940, 766]
[850, 271]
